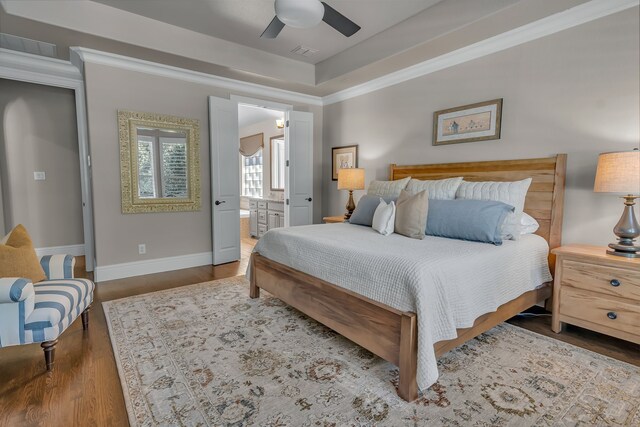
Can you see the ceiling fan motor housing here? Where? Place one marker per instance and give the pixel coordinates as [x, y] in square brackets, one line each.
[299, 13]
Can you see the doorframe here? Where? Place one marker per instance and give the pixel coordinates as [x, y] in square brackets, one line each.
[29, 68]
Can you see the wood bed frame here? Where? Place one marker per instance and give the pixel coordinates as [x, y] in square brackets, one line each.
[390, 333]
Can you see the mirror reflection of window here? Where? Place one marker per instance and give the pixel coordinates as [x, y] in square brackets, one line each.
[277, 163]
[162, 164]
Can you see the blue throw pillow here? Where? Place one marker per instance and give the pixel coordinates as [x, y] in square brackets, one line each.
[366, 207]
[474, 220]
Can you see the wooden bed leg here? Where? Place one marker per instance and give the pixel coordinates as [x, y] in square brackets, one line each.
[254, 290]
[407, 386]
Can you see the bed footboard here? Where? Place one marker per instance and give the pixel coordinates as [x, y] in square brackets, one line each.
[389, 333]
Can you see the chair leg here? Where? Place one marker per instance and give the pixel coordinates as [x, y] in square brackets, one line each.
[85, 318]
[49, 348]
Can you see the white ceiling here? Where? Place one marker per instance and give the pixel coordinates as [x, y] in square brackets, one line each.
[248, 116]
[242, 21]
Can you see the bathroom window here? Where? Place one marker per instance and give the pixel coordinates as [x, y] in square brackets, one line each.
[252, 175]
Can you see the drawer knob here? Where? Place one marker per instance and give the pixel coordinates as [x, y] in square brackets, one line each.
[612, 315]
[615, 283]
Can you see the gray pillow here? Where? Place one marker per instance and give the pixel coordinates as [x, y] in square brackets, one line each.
[474, 220]
[411, 214]
[366, 207]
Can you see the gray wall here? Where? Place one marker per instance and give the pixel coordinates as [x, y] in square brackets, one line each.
[574, 92]
[166, 234]
[39, 133]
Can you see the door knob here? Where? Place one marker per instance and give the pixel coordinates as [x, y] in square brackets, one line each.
[308, 199]
[218, 202]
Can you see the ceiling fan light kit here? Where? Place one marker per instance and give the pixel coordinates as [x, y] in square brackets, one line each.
[307, 14]
[299, 13]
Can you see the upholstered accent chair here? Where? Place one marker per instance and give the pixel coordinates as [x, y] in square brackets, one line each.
[41, 312]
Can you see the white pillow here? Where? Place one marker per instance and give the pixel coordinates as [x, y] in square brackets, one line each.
[528, 224]
[387, 188]
[384, 218]
[511, 193]
[438, 189]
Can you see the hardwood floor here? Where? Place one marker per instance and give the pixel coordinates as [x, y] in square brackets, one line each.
[84, 389]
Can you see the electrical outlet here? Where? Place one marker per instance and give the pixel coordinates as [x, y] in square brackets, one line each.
[39, 176]
[142, 249]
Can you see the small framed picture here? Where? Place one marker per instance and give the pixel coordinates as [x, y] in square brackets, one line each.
[469, 123]
[343, 158]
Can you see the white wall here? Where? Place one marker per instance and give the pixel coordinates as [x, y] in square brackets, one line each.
[574, 92]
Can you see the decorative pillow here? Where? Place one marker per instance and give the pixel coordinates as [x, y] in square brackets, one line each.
[511, 193]
[384, 218]
[528, 224]
[366, 207]
[387, 188]
[438, 189]
[411, 214]
[18, 257]
[474, 220]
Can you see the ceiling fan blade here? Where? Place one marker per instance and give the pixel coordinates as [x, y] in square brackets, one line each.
[338, 21]
[273, 29]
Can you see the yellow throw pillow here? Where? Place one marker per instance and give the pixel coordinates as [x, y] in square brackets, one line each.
[18, 257]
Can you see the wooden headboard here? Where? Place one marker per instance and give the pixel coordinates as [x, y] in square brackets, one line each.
[544, 200]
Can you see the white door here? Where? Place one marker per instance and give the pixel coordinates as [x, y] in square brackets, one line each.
[225, 179]
[299, 173]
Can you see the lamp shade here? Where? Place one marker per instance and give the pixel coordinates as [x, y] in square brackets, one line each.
[351, 179]
[618, 172]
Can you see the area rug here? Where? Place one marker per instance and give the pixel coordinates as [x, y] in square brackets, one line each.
[208, 355]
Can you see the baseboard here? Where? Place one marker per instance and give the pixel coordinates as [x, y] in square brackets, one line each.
[75, 250]
[150, 266]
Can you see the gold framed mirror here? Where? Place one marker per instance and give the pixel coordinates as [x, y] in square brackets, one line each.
[159, 163]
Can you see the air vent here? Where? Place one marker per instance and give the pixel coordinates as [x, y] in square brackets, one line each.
[21, 44]
[304, 51]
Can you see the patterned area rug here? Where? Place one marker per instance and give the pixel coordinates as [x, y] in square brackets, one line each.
[208, 355]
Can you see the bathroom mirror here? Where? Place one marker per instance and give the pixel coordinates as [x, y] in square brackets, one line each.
[159, 166]
[277, 163]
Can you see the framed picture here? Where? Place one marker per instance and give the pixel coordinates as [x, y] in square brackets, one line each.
[469, 123]
[343, 158]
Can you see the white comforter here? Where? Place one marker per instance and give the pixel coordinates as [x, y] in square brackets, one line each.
[447, 283]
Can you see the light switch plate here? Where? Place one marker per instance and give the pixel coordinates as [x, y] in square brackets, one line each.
[39, 176]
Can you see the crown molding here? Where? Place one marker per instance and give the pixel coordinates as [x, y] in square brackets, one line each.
[148, 67]
[552, 24]
[31, 68]
[26, 67]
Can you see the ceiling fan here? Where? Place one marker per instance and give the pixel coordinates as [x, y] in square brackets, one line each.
[307, 14]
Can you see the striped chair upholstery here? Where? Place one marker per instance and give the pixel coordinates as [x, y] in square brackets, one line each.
[40, 312]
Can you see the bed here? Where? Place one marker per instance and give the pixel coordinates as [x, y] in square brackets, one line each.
[339, 273]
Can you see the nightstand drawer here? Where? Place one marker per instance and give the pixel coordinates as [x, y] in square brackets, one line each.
[619, 282]
[593, 308]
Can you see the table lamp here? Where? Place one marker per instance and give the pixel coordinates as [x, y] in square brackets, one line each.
[350, 179]
[619, 172]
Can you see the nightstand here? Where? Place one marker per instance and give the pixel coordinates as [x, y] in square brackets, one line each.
[333, 219]
[597, 291]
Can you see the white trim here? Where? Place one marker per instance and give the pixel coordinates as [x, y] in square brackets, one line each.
[43, 70]
[75, 250]
[31, 68]
[134, 64]
[158, 265]
[245, 100]
[569, 18]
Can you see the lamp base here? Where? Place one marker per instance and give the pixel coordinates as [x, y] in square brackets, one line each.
[351, 206]
[627, 230]
[623, 250]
